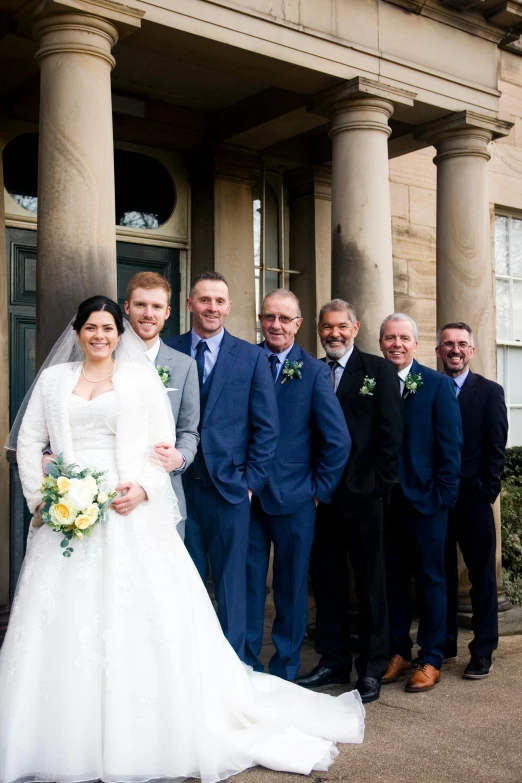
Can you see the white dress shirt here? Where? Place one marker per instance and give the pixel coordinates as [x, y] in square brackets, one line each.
[152, 353]
[403, 374]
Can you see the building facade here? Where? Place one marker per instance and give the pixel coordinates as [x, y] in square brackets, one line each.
[369, 149]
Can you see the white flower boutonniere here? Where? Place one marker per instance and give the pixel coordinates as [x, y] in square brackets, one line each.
[164, 374]
[412, 383]
[368, 386]
[291, 370]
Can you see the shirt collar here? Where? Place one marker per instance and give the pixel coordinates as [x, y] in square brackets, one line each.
[461, 379]
[281, 356]
[213, 343]
[403, 374]
[343, 361]
[152, 353]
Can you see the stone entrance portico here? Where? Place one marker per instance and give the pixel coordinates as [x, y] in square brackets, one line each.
[235, 89]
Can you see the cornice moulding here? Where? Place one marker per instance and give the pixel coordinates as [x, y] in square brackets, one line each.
[463, 120]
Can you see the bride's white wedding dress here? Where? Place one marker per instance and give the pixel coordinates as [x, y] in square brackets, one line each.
[115, 667]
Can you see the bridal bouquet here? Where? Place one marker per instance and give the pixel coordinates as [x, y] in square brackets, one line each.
[73, 500]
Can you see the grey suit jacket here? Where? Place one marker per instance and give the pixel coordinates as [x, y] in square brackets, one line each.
[185, 409]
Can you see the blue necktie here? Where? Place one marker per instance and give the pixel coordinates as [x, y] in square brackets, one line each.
[333, 364]
[457, 388]
[201, 347]
[274, 361]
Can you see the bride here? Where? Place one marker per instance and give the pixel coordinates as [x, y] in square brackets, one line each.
[114, 666]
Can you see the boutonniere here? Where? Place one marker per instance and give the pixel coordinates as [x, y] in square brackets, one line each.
[368, 386]
[291, 370]
[164, 374]
[412, 383]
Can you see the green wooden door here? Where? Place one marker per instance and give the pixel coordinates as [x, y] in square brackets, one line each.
[21, 286]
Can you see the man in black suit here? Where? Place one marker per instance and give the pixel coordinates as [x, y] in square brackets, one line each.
[470, 523]
[352, 526]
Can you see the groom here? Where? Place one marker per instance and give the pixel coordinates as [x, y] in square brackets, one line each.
[147, 307]
[239, 432]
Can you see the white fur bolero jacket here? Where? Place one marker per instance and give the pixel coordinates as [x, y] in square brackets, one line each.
[144, 418]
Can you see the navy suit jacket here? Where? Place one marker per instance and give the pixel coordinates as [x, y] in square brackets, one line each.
[314, 443]
[429, 464]
[239, 425]
[485, 427]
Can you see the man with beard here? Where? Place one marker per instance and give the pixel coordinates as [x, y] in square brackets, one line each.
[471, 523]
[352, 526]
[147, 307]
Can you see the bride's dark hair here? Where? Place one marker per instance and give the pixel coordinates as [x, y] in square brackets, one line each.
[95, 304]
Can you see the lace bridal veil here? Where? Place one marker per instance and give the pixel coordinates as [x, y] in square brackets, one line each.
[142, 419]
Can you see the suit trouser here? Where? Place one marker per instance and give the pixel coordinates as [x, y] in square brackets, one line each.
[217, 532]
[359, 539]
[472, 526]
[415, 546]
[292, 536]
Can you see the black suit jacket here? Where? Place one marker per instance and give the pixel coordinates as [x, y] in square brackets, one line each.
[484, 426]
[375, 424]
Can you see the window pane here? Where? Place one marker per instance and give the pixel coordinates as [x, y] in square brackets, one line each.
[501, 378]
[515, 255]
[271, 281]
[515, 376]
[502, 245]
[145, 194]
[20, 159]
[257, 231]
[515, 427]
[517, 311]
[271, 231]
[503, 310]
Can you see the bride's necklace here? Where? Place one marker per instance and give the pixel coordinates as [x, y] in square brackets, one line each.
[101, 379]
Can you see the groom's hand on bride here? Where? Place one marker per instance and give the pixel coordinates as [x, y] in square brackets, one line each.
[168, 457]
[132, 497]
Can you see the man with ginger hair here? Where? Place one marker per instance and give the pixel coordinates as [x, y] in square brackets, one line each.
[147, 307]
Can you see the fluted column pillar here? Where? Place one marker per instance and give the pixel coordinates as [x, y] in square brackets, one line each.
[76, 224]
[362, 262]
[465, 268]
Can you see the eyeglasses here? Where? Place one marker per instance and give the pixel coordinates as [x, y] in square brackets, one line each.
[463, 345]
[270, 318]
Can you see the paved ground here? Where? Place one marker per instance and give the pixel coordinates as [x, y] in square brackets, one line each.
[462, 731]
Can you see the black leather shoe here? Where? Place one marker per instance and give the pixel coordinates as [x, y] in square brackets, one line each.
[477, 668]
[322, 675]
[369, 689]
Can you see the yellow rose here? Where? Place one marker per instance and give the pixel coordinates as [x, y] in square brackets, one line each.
[63, 485]
[92, 512]
[102, 498]
[62, 513]
[83, 522]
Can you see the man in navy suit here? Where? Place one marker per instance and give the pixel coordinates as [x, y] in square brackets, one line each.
[471, 523]
[313, 449]
[416, 524]
[239, 431]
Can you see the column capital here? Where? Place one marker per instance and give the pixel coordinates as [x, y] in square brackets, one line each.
[463, 133]
[313, 180]
[72, 22]
[359, 91]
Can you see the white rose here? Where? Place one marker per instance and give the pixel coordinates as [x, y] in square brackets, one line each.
[90, 482]
[80, 495]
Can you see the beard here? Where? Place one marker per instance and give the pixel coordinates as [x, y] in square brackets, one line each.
[336, 353]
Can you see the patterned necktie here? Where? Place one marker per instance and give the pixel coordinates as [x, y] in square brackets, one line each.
[274, 361]
[201, 347]
[333, 364]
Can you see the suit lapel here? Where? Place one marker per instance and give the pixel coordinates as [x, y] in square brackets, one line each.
[466, 393]
[414, 370]
[221, 371]
[164, 357]
[350, 375]
[184, 343]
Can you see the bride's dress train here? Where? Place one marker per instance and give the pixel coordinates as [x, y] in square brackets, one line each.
[115, 667]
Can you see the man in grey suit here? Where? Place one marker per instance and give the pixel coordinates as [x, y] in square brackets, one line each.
[147, 308]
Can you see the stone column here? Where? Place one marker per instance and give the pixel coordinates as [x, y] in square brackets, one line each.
[4, 413]
[310, 190]
[362, 262]
[223, 229]
[76, 224]
[465, 265]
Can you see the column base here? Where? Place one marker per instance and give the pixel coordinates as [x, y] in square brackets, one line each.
[509, 620]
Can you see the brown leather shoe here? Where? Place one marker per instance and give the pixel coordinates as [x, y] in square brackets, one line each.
[424, 678]
[396, 668]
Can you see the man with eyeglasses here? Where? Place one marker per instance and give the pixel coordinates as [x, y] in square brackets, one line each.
[311, 453]
[471, 523]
